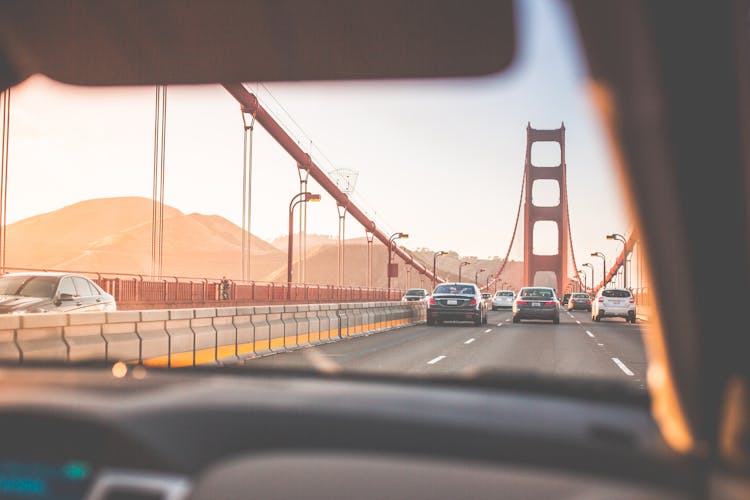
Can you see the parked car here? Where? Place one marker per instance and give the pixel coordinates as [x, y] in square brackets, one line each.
[456, 301]
[503, 299]
[614, 303]
[415, 294]
[565, 299]
[579, 301]
[536, 303]
[41, 292]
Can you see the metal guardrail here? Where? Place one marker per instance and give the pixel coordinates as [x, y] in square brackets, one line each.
[137, 291]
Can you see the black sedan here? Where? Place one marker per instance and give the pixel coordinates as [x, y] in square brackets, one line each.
[456, 301]
[22, 293]
[536, 303]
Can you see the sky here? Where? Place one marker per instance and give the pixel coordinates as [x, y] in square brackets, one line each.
[441, 159]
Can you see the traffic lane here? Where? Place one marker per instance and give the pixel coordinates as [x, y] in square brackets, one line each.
[396, 351]
[534, 346]
[463, 349]
[622, 340]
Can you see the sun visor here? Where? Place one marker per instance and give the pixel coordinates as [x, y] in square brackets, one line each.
[107, 42]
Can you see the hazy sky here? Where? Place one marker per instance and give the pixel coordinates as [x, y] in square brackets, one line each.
[441, 160]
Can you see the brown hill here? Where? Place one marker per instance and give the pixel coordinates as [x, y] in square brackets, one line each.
[114, 235]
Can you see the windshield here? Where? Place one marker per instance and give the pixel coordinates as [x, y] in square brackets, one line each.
[28, 286]
[195, 201]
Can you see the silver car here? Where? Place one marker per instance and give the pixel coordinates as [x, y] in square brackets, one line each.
[503, 299]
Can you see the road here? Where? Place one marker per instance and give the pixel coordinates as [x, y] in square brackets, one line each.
[578, 347]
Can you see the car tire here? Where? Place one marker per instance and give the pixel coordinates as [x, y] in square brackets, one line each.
[430, 321]
[598, 317]
[516, 319]
[556, 320]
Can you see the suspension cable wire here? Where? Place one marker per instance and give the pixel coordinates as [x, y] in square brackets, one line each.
[4, 176]
[515, 227]
[570, 239]
[161, 197]
[247, 183]
[157, 193]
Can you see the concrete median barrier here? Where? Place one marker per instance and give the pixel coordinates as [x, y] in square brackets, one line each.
[188, 337]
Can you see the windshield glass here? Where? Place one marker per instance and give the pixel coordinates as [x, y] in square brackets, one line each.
[198, 200]
[28, 286]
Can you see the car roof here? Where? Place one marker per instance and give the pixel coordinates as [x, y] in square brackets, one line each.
[40, 273]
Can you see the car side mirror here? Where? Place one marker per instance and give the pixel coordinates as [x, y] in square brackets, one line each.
[65, 297]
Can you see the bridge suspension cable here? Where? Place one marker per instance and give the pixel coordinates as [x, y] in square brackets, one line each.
[496, 276]
[5, 103]
[157, 196]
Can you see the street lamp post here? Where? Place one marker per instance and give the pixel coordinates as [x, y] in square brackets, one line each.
[296, 199]
[604, 267]
[476, 275]
[621, 239]
[394, 237]
[434, 266]
[587, 264]
[460, 266]
[585, 285]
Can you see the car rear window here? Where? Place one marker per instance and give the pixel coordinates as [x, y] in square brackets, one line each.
[504, 294]
[416, 291]
[455, 289]
[616, 293]
[536, 292]
[580, 296]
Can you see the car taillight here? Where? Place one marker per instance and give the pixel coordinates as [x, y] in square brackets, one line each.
[601, 299]
[473, 302]
[632, 300]
[521, 302]
[549, 303]
[432, 301]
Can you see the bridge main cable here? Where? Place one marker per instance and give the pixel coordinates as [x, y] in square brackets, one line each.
[251, 105]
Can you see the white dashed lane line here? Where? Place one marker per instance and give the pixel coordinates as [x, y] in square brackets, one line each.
[589, 334]
[578, 322]
[469, 341]
[622, 366]
[435, 360]
[488, 330]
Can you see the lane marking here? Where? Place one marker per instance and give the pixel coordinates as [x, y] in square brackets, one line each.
[488, 330]
[622, 366]
[578, 322]
[469, 341]
[435, 360]
[600, 344]
[507, 320]
[589, 334]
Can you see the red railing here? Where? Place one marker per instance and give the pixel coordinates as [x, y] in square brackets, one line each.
[136, 291]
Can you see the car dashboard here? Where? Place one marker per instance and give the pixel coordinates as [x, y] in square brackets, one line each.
[81, 433]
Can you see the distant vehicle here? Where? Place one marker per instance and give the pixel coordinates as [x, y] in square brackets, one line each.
[503, 299]
[536, 303]
[614, 303]
[42, 292]
[456, 301]
[579, 301]
[565, 299]
[415, 294]
[487, 299]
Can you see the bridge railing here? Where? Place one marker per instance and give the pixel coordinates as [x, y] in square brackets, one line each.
[137, 291]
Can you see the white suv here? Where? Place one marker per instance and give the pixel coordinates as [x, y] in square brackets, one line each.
[613, 303]
[503, 299]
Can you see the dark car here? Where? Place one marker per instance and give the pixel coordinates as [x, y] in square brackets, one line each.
[566, 298]
[22, 293]
[415, 294]
[456, 301]
[536, 303]
[579, 301]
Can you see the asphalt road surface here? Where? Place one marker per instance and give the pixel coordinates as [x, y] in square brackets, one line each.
[578, 346]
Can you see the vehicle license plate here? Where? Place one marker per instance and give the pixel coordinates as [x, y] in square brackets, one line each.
[536, 304]
[452, 302]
